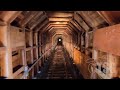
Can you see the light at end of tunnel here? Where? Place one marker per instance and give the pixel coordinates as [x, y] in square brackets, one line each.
[59, 39]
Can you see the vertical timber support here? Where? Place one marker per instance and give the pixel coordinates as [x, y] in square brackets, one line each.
[86, 42]
[7, 62]
[31, 42]
[113, 63]
[24, 58]
[95, 57]
[37, 50]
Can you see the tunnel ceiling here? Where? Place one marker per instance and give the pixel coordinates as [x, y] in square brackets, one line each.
[72, 21]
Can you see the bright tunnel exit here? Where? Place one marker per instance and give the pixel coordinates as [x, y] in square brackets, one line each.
[59, 41]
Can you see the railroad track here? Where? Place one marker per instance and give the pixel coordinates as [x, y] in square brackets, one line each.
[58, 68]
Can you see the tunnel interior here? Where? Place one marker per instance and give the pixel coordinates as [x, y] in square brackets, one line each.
[59, 44]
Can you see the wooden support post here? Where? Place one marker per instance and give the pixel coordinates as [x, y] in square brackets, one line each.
[43, 53]
[72, 48]
[82, 43]
[86, 42]
[37, 50]
[24, 61]
[7, 63]
[36, 34]
[95, 57]
[113, 63]
[24, 56]
[40, 43]
[40, 49]
[31, 44]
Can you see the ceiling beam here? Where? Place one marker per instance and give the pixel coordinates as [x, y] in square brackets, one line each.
[73, 31]
[76, 25]
[59, 19]
[57, 28]
[62, 33]
[42, 21]
[65, 28]
[79, 25]
[59, 25]
[9, 16]
[27, 18]
[93, 21]
[84, 20]
[73, 27]
[106, 16]
[38, 21]
[70, 29]
[60, 22]
[59, 14]
[81, 22]
[46, 29]
[35, 20]
[84, 15]
[42, 25]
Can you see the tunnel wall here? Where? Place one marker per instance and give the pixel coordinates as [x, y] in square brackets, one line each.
[80, 59]
[106, 40]
[20, 49]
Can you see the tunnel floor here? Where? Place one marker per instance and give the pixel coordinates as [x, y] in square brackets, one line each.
[59, 67]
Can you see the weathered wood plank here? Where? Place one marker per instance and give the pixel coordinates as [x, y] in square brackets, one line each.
[7, 57]
[9, 16]
[18, 71]
[60, 14]
[45, 22]
[59, 19]
[107, 39]
[37, 22]
[27, 18]
[17, 37]
[34, 21]
[81, 22]
[28, 48]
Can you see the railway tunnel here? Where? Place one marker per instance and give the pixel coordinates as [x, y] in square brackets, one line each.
[59, 45]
